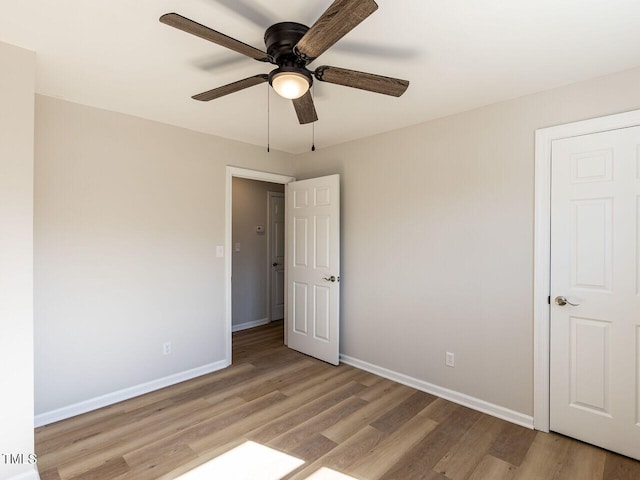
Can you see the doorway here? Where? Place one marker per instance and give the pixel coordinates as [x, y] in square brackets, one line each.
[235, 172]
[257, 253]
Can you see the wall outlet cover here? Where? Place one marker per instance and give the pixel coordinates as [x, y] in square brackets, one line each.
[450, 359]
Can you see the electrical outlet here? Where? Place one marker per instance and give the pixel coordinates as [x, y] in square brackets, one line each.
[166, 348]
[450, 359]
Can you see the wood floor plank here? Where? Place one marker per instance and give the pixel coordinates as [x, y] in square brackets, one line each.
[110, 468]
[288, 376]
[202, 458]
[466, 454]
[492, 468]
[426, 454]
[397, 416]
[440, 410]
[314, 447]
[383, 402]
[583, 461]
[344, 455]
[291, 440]
[144, 464]
[295, 417]
[379, 388]
[324, 381]
[263, 381]
[545, 458]
[513, 443]
[393, 448]
[49, 474]
[208, 430]
[618, 467]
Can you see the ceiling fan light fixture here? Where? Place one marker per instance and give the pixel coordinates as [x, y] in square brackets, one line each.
[290, 85]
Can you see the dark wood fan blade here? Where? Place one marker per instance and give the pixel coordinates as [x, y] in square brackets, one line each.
[231, 88]
[338, 20]
[362, 80]
[194, 28]
[305, 109]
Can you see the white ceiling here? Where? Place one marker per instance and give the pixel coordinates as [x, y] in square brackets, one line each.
[458, 55]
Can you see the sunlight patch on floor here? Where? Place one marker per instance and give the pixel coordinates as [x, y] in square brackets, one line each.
[249, 461]
[252, 461]
[327, 474]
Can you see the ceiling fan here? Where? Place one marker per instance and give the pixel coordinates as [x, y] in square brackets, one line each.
[292, 46]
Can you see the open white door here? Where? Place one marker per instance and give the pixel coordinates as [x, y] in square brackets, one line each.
[595, 289]
[313, 266]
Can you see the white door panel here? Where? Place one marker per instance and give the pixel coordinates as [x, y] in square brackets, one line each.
[594, 379]
[313, 266]
[276, 254]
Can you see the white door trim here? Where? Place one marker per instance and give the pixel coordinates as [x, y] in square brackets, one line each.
[542, 246]
[253, 175]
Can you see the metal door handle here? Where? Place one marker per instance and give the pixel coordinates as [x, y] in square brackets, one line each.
[275, 264]
[332, 278]
[563, 301]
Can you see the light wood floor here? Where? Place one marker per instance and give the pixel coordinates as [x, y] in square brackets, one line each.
[339, 417]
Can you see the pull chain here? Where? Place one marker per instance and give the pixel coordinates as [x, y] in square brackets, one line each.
[313, 125]
[268, 120]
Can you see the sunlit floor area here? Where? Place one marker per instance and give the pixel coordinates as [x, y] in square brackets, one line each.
[249, 461]
[276, 414]
[252, 461]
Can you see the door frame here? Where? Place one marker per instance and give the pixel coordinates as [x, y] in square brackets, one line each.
[232, 172]
[544, 139]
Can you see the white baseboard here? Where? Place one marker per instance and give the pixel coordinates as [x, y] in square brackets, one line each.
[125, 394]
[29, 475]
[451, 395]
[254, 323]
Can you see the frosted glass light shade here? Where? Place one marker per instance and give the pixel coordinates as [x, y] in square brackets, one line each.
[290, 84]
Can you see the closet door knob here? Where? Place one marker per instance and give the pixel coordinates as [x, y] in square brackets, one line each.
[563, 301]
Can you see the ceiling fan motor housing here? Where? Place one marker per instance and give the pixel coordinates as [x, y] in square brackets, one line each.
[280, 40]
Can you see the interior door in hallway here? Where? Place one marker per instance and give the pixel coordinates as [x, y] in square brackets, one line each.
[595, 289]
[313, 266]
[276, 254]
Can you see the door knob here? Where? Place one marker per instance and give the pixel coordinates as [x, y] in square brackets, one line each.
[275, 264]
[332, 278]
[563, 301]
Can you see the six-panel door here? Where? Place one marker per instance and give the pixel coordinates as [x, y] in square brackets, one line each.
[313, 266]
[595, 234]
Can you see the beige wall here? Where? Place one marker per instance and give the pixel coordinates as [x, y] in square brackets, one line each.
[437, 239]
[16, 257]
[437, 244]
[128, 213]
[251, 266]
